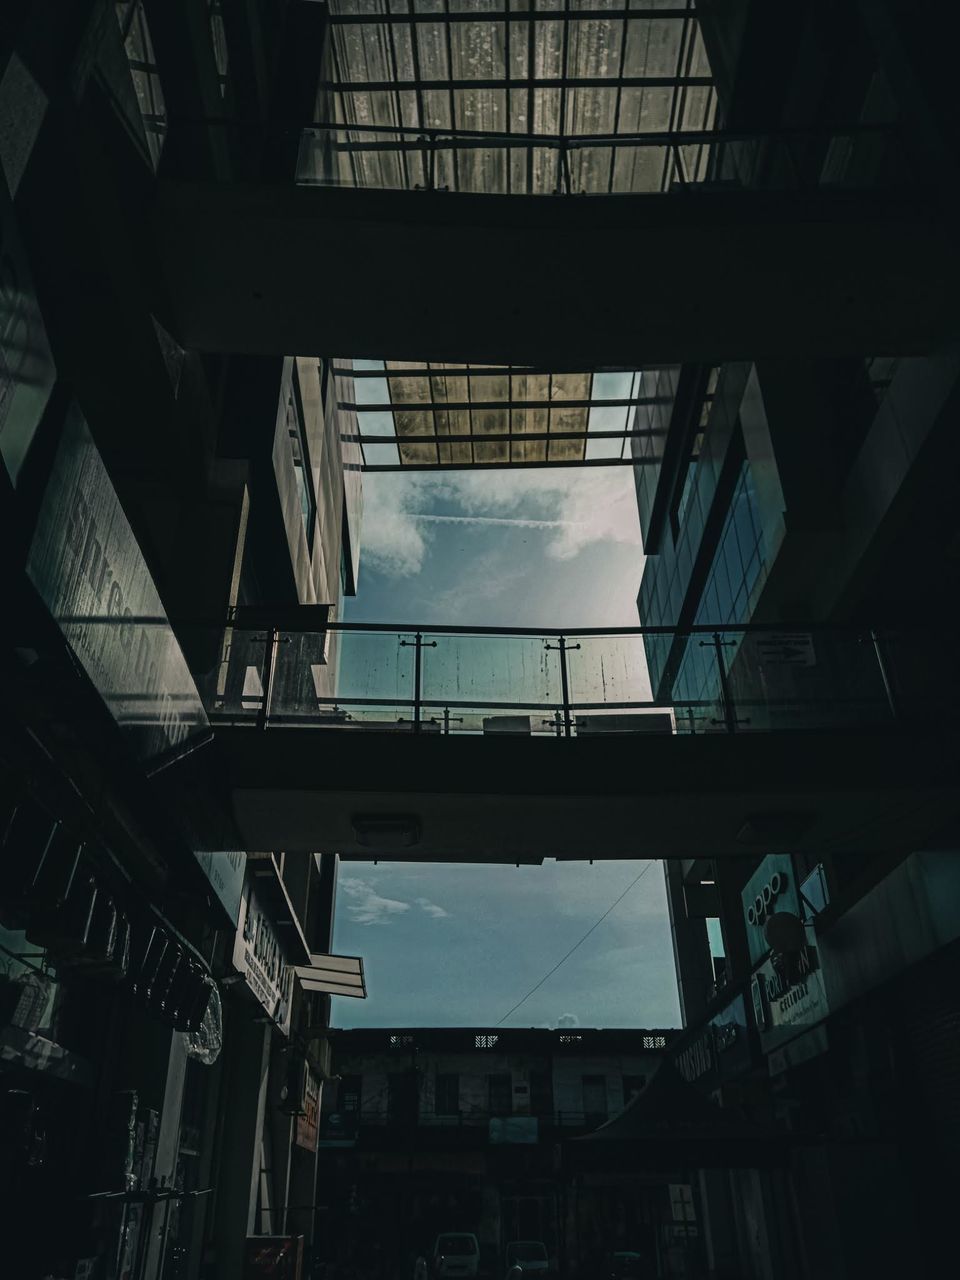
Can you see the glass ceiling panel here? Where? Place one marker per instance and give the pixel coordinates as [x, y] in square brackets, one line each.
[414, 414]
[417, 77]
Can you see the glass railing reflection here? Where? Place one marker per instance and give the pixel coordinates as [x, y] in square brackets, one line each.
[393, 158]
[363, 677]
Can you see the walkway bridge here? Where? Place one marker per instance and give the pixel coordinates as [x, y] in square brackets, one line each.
[559, 185]
[489, 745]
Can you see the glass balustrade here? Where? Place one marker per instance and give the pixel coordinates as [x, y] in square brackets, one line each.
[485, 682]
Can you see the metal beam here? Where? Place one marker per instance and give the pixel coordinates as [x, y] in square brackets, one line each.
[502, 437]
[639, 14]
[505, 465]
[484, 371]
[441, 406]
[540, 82]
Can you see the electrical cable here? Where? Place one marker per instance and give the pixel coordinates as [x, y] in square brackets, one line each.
[575, 946]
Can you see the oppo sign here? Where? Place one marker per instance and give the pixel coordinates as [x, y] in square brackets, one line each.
[765, 900]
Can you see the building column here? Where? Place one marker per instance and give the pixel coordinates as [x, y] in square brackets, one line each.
[168, 1145]
[243, 1103]
[691, 952]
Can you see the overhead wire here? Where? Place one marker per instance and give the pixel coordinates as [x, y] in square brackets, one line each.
[579, 943]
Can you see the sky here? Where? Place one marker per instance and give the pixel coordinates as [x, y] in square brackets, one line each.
[454, 945]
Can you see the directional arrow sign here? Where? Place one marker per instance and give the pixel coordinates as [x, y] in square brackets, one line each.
[793, 649]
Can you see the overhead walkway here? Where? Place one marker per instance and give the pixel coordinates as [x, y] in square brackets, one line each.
[560, 282]
[499, 746]
[555, 187]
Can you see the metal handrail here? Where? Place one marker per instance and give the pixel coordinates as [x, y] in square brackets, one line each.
[722, 708]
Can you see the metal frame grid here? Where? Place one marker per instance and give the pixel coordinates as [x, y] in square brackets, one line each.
[443, 416]
[539, 97]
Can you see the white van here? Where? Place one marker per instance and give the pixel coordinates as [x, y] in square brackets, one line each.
[455, 1254]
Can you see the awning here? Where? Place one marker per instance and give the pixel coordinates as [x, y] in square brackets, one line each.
[671, 1125]
[334, 975]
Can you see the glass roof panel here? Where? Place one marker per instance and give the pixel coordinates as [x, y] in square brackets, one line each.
[426, 65]
[444, 415]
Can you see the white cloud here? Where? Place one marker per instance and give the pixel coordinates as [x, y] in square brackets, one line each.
[432, 909]
[568, 1020]
[574, 508]
[392, 540]
[365, 905]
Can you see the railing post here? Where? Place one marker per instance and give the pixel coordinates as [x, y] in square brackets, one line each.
[730, 720]
[271, 639]
[561, 647]
[878, 648]
[418, 644]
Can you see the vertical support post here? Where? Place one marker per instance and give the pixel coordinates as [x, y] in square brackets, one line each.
[730, 720]
[272, 639]
[418, 644]
[562, 648]
[448, 719]
[878, 648]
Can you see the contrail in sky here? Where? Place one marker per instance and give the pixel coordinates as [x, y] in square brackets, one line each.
[522, 524]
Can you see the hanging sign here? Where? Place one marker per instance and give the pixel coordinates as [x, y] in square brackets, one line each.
[258, 956]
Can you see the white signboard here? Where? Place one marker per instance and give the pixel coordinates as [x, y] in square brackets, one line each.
[87, 566]
[225, 872]
[257, 955]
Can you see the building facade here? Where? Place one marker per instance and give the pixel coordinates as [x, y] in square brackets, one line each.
[163, 1017]
[449, 1129]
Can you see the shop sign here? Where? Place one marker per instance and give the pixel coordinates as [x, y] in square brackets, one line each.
[225, 872]
[698, 1058]
[257, 955]
[308, 1122]
[89, 569]
[788, 994]
[771, 888]
[27, 371]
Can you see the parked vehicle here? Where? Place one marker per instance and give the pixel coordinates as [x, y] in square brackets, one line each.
[626, 1265]
[456, 1254]
[529, 1255]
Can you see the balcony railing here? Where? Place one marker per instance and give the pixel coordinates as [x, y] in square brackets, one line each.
[358, 677]
[350, 1123]
[389, 157]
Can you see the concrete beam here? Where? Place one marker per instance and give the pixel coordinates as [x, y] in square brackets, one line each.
[502, 800]
[568, 282]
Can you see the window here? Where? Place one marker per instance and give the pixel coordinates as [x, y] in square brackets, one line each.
[485, 1042]
[448, 1094]
[718, 954]
[402, 1097]
[218, 38]
[654, 1042]
[301, 467]
[594, 1099]
[684, 489]
[350, 1095]
[143, 69]
[541, 1093]
[632, 1085]
[401, 1042]
[681, 1202]
[500, 1094]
